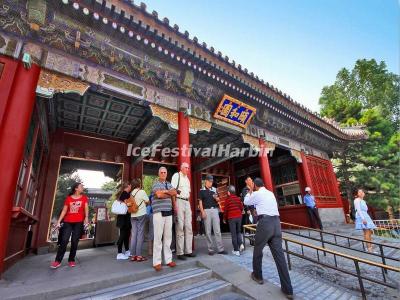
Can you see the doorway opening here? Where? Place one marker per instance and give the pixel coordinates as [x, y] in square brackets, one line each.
[100, 180]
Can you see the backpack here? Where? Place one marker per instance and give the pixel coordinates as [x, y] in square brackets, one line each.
[132, 205]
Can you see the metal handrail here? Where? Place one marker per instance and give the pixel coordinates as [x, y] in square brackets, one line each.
[381, 246]
[386, 228]
[356, 260]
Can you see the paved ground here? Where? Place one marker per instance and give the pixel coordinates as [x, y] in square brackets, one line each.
[97, 268]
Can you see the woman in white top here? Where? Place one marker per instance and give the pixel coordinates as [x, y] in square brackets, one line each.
[363, 220]
[138, 220]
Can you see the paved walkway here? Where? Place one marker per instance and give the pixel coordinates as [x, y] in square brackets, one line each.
[97, 269]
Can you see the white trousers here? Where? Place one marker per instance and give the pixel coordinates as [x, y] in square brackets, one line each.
[183, 227]
[162, 238]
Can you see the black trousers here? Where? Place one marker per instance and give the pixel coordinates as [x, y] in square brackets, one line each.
[269, 232]
[314, 217]
[124, 234]
[234, 227]
[73, 230]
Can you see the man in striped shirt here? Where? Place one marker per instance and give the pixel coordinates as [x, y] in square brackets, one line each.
[162, 219]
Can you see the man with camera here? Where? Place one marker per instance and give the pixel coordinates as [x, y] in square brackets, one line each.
[183, 222]
[209, 208]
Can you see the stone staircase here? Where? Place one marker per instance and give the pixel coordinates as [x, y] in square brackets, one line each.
[349, 283]
[191, 283]
[305, 285]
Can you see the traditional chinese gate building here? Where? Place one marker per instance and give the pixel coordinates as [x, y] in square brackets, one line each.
[86, 79]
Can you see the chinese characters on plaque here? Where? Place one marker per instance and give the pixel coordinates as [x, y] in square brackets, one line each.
[234, 111]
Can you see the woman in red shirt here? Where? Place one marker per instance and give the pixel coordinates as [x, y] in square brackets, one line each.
[233, 213]
[74, 213]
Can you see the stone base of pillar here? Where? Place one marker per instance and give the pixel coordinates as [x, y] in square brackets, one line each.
[331, 216]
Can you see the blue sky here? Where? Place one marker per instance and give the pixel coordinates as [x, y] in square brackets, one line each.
[297, 45]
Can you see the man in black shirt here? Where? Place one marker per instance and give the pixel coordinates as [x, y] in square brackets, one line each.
[209, 204]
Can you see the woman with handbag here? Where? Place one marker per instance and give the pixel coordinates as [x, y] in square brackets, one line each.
[74, 214]
[138, 219]
[123, 219]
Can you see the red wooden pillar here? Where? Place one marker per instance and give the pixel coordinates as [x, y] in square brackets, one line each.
[13, 134]
[306, 172]
[300, 178]
[184, 157]
[183, 140]
[264, 166]
[54, 163]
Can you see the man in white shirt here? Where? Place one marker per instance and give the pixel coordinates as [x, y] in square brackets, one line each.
[184, 234]
[268, 231]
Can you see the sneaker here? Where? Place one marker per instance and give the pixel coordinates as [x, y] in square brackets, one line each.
[190, 255]
[55, 265]
[128, 253]
[222, 252]
[237, 253]
[181, 257]
[171, 264]
[211, 253]
[71, 264]
[241, 248]
[121, 256]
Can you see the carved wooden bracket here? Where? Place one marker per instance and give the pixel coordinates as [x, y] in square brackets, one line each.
[296, 154]
[255, 144]
[171, 118]
[252, 141]
[51, 83]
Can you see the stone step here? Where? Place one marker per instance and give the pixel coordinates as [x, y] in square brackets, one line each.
[149, 286]
[205, 289]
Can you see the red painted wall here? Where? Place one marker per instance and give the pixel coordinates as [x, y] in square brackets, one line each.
[17, 98]
[9, 66]
[296, 214]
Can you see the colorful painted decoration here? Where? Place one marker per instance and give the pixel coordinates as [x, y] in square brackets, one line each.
[234, 111]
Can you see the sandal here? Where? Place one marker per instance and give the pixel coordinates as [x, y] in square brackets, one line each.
[134, 258]
[141, 258]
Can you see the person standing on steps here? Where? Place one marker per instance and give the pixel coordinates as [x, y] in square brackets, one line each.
[209, 204]
[183, 225]
[162, 205]
[233, 215]
[75, 213]
[312, 209]
[124, 223]
[268, 232]
[363, 220]
[138, 220]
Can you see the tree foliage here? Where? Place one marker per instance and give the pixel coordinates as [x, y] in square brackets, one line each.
[368, 95]
[111, 186]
